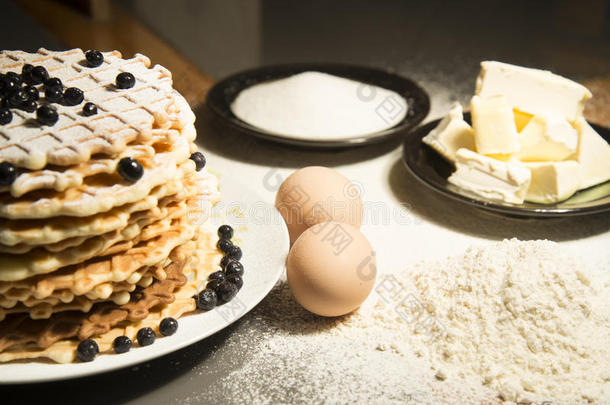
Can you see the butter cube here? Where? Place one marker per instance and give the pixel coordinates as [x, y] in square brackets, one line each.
[553, 181]
[451, 134]
[547, 138]
[593, 154]
[490, 178]
[532, 91]
[495, 131]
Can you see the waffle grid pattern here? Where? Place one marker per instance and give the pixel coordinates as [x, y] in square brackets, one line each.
[123, 115]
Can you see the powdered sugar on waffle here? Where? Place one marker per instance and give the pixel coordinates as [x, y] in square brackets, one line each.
[124, 115]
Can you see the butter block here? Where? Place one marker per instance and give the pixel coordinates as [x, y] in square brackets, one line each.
[553, 181]
[495, 131]
[451, 134]
[547, 138]
[593, 154]
[490, 178]
[532, 91]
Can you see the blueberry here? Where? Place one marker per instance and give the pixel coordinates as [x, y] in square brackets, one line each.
[234, 252]
[38, 75]
[27, 68]
[87, 350]
[89, 109]
[225, 261]
[223, 245]
[53, 95]
[130, 169]
[121, 344]
[32, 93]
[234, 267]
[237, 280]
[146, 336]
[226, 291]
[29, 106]
[4, 103]
[17, 97]
[199, 160]
[53, 83]
[46, 115]
[207, 300]
[214, 284]
[94, 58]
[168, 326]
[73, 96]
[8, 173]
[225, 231]
[26, 73]
[9, 85]
[15, 77]
[5, 116]
[125, 80]
[217, 275]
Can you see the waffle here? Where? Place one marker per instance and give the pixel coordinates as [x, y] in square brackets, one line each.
[142, 277]
[41, 261]
[92, 243]
[61, 178]
[123, 116]
[23, 338]
[53, 230]
[171, 208]
[102, 292]
[104, 191]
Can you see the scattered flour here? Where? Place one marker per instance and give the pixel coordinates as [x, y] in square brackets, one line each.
[513, 321]
[319, 106]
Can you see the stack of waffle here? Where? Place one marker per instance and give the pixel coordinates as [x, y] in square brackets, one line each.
[86, 251]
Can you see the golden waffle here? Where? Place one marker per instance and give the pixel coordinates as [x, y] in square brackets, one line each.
[143, 277]
[103, 191]
[53, 230]
[21, 338]
[61, 178]
[123, 116]
[166, 207]
[41, 261]
[175, 221]
[83, 277]
[82, 304]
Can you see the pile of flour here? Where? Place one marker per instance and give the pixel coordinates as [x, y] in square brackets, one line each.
[523, 318]
[511, 322]
[316, 105]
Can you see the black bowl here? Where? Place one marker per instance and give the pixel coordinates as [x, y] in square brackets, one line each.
[221, 96]
[433, 170]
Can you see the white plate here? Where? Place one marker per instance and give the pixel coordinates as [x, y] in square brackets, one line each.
[263, 237]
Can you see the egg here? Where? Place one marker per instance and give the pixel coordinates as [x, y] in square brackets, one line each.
[317, 194]
[331, 269]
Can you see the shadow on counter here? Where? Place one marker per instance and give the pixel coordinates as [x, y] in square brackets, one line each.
[463, 218]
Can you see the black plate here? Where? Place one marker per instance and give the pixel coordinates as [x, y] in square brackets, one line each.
[433, 170]
[221, 96]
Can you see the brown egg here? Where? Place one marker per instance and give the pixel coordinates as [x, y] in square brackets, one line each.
[331, 269]
[317, 194]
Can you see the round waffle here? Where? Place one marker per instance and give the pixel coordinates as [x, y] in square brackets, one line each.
[100, 210]
[124, 116]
